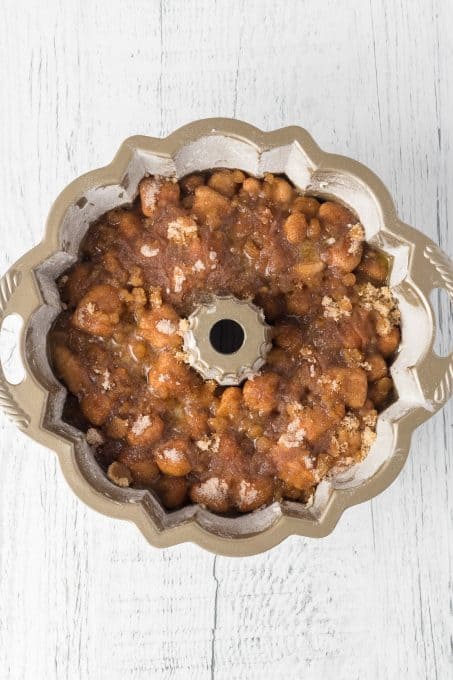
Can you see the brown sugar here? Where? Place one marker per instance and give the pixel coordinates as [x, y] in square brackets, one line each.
[153, 422]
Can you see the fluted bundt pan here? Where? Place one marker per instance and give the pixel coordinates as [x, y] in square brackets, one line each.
[423, 380]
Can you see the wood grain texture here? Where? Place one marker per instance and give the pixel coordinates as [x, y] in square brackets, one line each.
[83, 596]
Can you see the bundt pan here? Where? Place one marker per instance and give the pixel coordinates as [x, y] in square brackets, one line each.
[423, 380]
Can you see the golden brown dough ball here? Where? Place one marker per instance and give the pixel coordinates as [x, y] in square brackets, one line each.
[96, 406]
[352, 385]
[223, 181]
[209, 206]
[191, 182]
[172, 457]
[251, 494]
[388, 344]
[125, 221]
[160, 326]
[306, 204]
[335, 217]
[260, 394]
[167, 376]
[252, 187]
[214, 493]
[293, 467]
[380, 390]
[375, 367]
[230, 402]
[278, 190]
[157, 192]
[98, 312]
[172, 491]
[140, 463]
[295, 227]
[145, 429]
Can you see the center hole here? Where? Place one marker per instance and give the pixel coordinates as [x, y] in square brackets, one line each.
[227, 336]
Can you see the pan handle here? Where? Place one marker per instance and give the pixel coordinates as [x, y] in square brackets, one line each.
[19, 295]
[435, 270]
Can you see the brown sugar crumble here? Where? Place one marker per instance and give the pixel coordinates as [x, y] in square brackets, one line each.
[153, 422]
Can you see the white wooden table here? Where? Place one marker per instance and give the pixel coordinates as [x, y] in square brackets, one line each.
[83, 597]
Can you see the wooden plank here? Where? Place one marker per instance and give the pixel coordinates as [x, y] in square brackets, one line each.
[82, 596]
